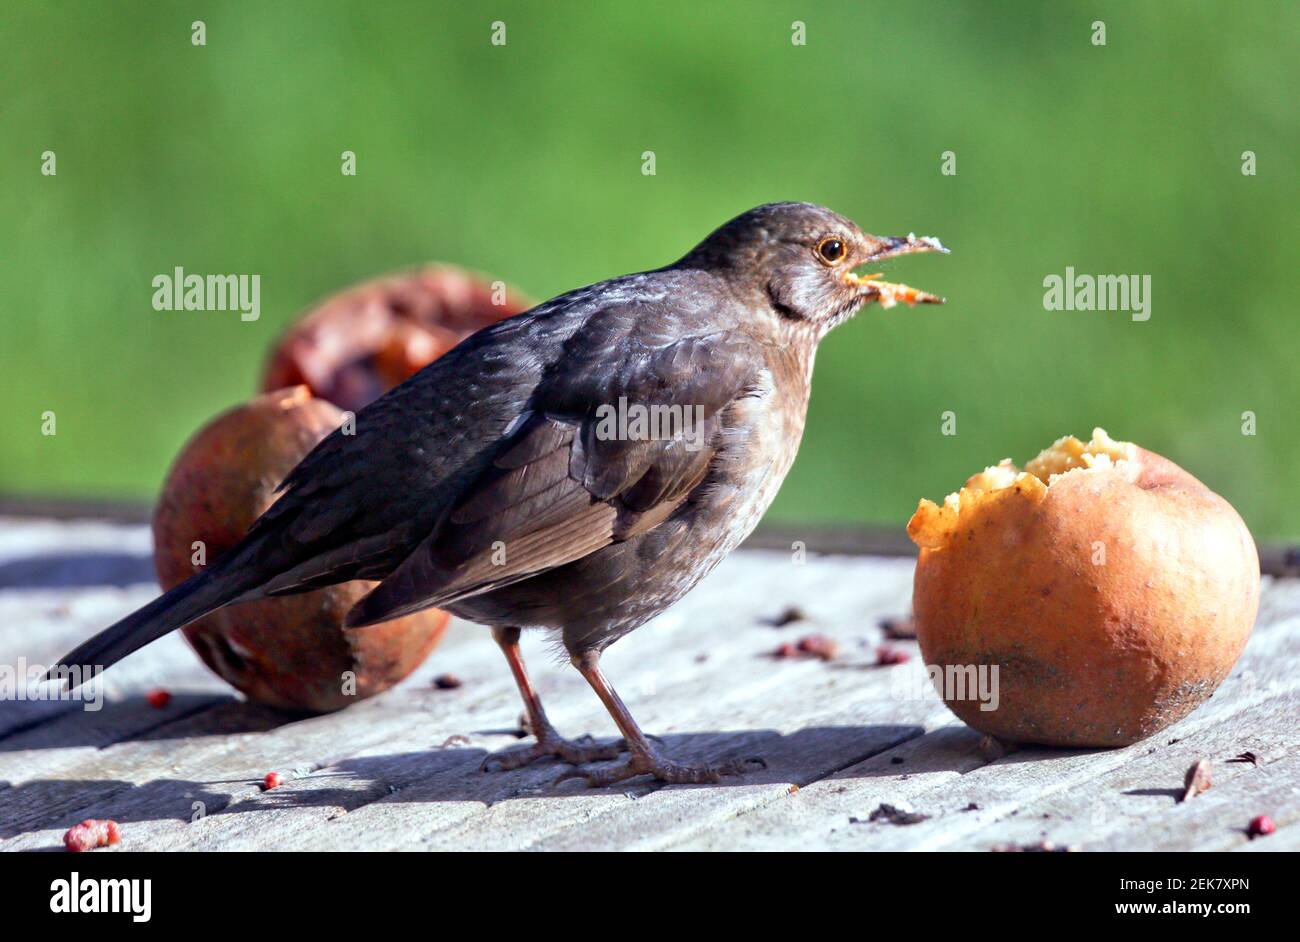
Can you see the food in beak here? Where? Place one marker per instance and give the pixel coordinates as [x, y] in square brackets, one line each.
[872, 289]
[887, 294]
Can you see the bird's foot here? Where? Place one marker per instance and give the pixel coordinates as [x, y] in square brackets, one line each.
[665, 770]
[578, 751]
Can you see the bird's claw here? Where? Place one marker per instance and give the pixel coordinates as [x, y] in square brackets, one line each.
[664, 770]
[578, 751]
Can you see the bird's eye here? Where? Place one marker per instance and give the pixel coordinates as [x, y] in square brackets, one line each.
[830, 250]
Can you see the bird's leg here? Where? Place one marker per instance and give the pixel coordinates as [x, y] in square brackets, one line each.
[549, 742]
[644, 758]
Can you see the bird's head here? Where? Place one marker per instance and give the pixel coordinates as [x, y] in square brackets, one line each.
[798, 259]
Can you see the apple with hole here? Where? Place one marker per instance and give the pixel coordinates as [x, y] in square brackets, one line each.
[1112, 590]
[291, 651]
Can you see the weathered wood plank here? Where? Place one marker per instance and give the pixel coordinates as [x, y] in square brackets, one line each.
[402, 770]
[950, 779]
[1137, 806]
[662, 662]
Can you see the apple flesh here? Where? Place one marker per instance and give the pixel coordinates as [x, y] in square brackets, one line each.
[1112, 590]
[290, 652]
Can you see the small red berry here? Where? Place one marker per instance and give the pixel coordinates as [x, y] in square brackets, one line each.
[1260, 826]
[158, 698]
[272, 780]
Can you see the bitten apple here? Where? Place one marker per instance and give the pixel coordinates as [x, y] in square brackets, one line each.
[362, 341]
[290, 652]
[1112, 590]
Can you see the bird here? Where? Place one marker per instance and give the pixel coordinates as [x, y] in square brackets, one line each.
[517, 483]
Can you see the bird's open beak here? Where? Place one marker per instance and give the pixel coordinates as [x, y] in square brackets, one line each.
[872, 288]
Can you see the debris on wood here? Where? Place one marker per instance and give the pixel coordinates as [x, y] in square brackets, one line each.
[456, 740]
[1246, 757]
[887, 656]
[1198, 779]
[791, 615]
[447, 682]
[91, 833]
[898, 629]
[992, 748]
[893, 814]
[818, 646]
[1040, 847]
[1260, 826]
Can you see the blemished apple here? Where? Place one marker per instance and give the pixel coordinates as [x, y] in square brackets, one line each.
[1113, 591]
[292, 651]
[362, 341]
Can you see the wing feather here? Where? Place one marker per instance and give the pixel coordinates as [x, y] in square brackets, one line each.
[560, 487]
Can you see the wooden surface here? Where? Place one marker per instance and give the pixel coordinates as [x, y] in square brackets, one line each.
[401, 771]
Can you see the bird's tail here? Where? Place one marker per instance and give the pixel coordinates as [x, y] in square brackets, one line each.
[192, 599]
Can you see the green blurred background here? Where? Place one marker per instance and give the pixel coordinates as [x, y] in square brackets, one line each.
[525, 161]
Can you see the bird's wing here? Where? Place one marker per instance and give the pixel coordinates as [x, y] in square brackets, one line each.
[570, 479]
[362, 500]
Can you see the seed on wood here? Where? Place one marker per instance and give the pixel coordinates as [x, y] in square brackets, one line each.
[1198, 779]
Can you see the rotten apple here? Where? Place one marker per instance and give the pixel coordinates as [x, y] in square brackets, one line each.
[357, 344]
[292, 651]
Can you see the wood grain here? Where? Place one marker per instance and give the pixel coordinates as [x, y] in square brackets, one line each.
[401, 771]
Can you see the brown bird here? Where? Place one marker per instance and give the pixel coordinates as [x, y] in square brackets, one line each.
[578, 467]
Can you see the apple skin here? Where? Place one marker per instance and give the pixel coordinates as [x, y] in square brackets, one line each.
[362, 341]
[289, 652]
[1090, 654]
